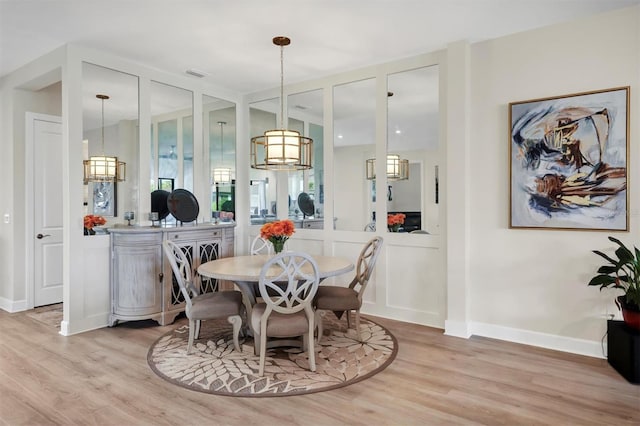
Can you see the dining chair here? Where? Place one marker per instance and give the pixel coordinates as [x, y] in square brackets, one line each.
[205, 306]
[340, 299]
[288, 283]
[261, 246]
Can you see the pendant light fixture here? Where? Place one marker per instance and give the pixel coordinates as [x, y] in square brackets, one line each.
[221, 174]
[103, 168]
[397, 168]
[281, 149]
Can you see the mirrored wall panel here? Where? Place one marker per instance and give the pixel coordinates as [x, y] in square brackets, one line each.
[262, 183]
[413, 151]
[219, 125]
[110, 128]
[354, 125]
[306, 187]
[171, 139]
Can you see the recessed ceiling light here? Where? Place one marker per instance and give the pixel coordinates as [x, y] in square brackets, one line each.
[339, 136]
[398, 131]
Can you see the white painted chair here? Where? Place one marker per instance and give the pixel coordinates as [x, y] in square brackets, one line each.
[261, 246]
[288, 283]
[341, 299]
[219, 304]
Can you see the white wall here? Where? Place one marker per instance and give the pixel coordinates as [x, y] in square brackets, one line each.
[44, 100]
[524, 282]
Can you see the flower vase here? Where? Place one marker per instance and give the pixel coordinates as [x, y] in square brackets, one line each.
[89, 231]
[278, 246]
[394, 228]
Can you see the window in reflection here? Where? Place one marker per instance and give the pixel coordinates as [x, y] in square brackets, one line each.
[306, 187]
[219, 124]
[262, 189]
[120, 136]
[354, 142]
[172, 136]
[412, 127]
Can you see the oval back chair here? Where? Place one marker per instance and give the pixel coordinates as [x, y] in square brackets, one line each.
[205, 306]
[341, 299]
[288, 284]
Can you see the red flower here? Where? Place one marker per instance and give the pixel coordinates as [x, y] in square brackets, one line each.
[278, 229]
[396, 219]
[277, 232]
[91, 220]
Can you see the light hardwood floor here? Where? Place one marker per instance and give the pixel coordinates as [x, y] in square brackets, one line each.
[102, 378]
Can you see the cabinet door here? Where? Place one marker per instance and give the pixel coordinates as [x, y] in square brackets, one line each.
[206, 251]
[136, 271]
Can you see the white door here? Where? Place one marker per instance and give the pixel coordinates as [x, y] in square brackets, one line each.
[47, 205]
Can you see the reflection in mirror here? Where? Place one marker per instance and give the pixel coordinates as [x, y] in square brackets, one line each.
[413, 134]
[120, 137]
[263, 196]
[219, 124]
[306, 187]
[171, 136]
[354, 126]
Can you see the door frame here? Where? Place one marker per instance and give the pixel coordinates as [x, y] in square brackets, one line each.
[29, 184]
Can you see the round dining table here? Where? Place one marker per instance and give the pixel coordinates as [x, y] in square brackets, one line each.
[244, 271]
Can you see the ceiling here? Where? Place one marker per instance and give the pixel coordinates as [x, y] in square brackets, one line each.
[231, 40]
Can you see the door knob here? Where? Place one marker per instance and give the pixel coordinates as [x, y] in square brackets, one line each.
[41, 236]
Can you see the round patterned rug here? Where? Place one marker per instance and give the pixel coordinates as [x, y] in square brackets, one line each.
[214, 367]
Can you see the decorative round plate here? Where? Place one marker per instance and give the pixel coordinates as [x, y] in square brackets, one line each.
[159, 203]
[183, 205]
[306, 204]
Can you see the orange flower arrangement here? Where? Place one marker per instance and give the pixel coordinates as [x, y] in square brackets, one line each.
[394, 221]
[277, 232]
[92, 220]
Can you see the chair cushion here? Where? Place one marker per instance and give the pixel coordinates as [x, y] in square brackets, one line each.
[280, 325]
[219, 304]
[335, 298]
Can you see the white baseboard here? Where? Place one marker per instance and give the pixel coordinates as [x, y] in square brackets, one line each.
[549, 341]
[86, 324]
[456, 329]
[13, 305]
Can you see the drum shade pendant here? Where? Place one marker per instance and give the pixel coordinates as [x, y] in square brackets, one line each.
[281, 149]
[397, 168]
[104, 168]
[221, 174]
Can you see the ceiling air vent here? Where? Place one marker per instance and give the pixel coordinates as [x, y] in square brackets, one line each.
[196, 73]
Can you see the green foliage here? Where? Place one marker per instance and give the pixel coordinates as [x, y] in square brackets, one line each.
[621, 271]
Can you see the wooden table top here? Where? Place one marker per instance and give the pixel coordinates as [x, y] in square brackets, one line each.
[247, 268]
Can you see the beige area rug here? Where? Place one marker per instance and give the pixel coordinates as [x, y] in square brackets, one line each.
[50, 315]
[214, 367]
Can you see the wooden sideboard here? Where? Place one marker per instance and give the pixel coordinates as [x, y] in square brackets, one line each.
[142, 284]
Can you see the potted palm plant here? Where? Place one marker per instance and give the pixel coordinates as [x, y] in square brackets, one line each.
[623, 272]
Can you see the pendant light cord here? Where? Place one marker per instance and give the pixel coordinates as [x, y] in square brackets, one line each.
[103, 127]
[221, 123]
[282, 87]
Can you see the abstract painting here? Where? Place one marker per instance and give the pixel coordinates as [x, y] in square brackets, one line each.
[568, 161]
[104, 199]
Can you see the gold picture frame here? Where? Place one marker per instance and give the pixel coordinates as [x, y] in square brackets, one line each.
[569, 160]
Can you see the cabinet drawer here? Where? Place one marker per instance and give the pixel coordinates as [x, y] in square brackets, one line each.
[193, 235]
[312, 225]
[136, 238]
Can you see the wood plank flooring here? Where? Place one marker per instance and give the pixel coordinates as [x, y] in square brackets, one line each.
[102, 378]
